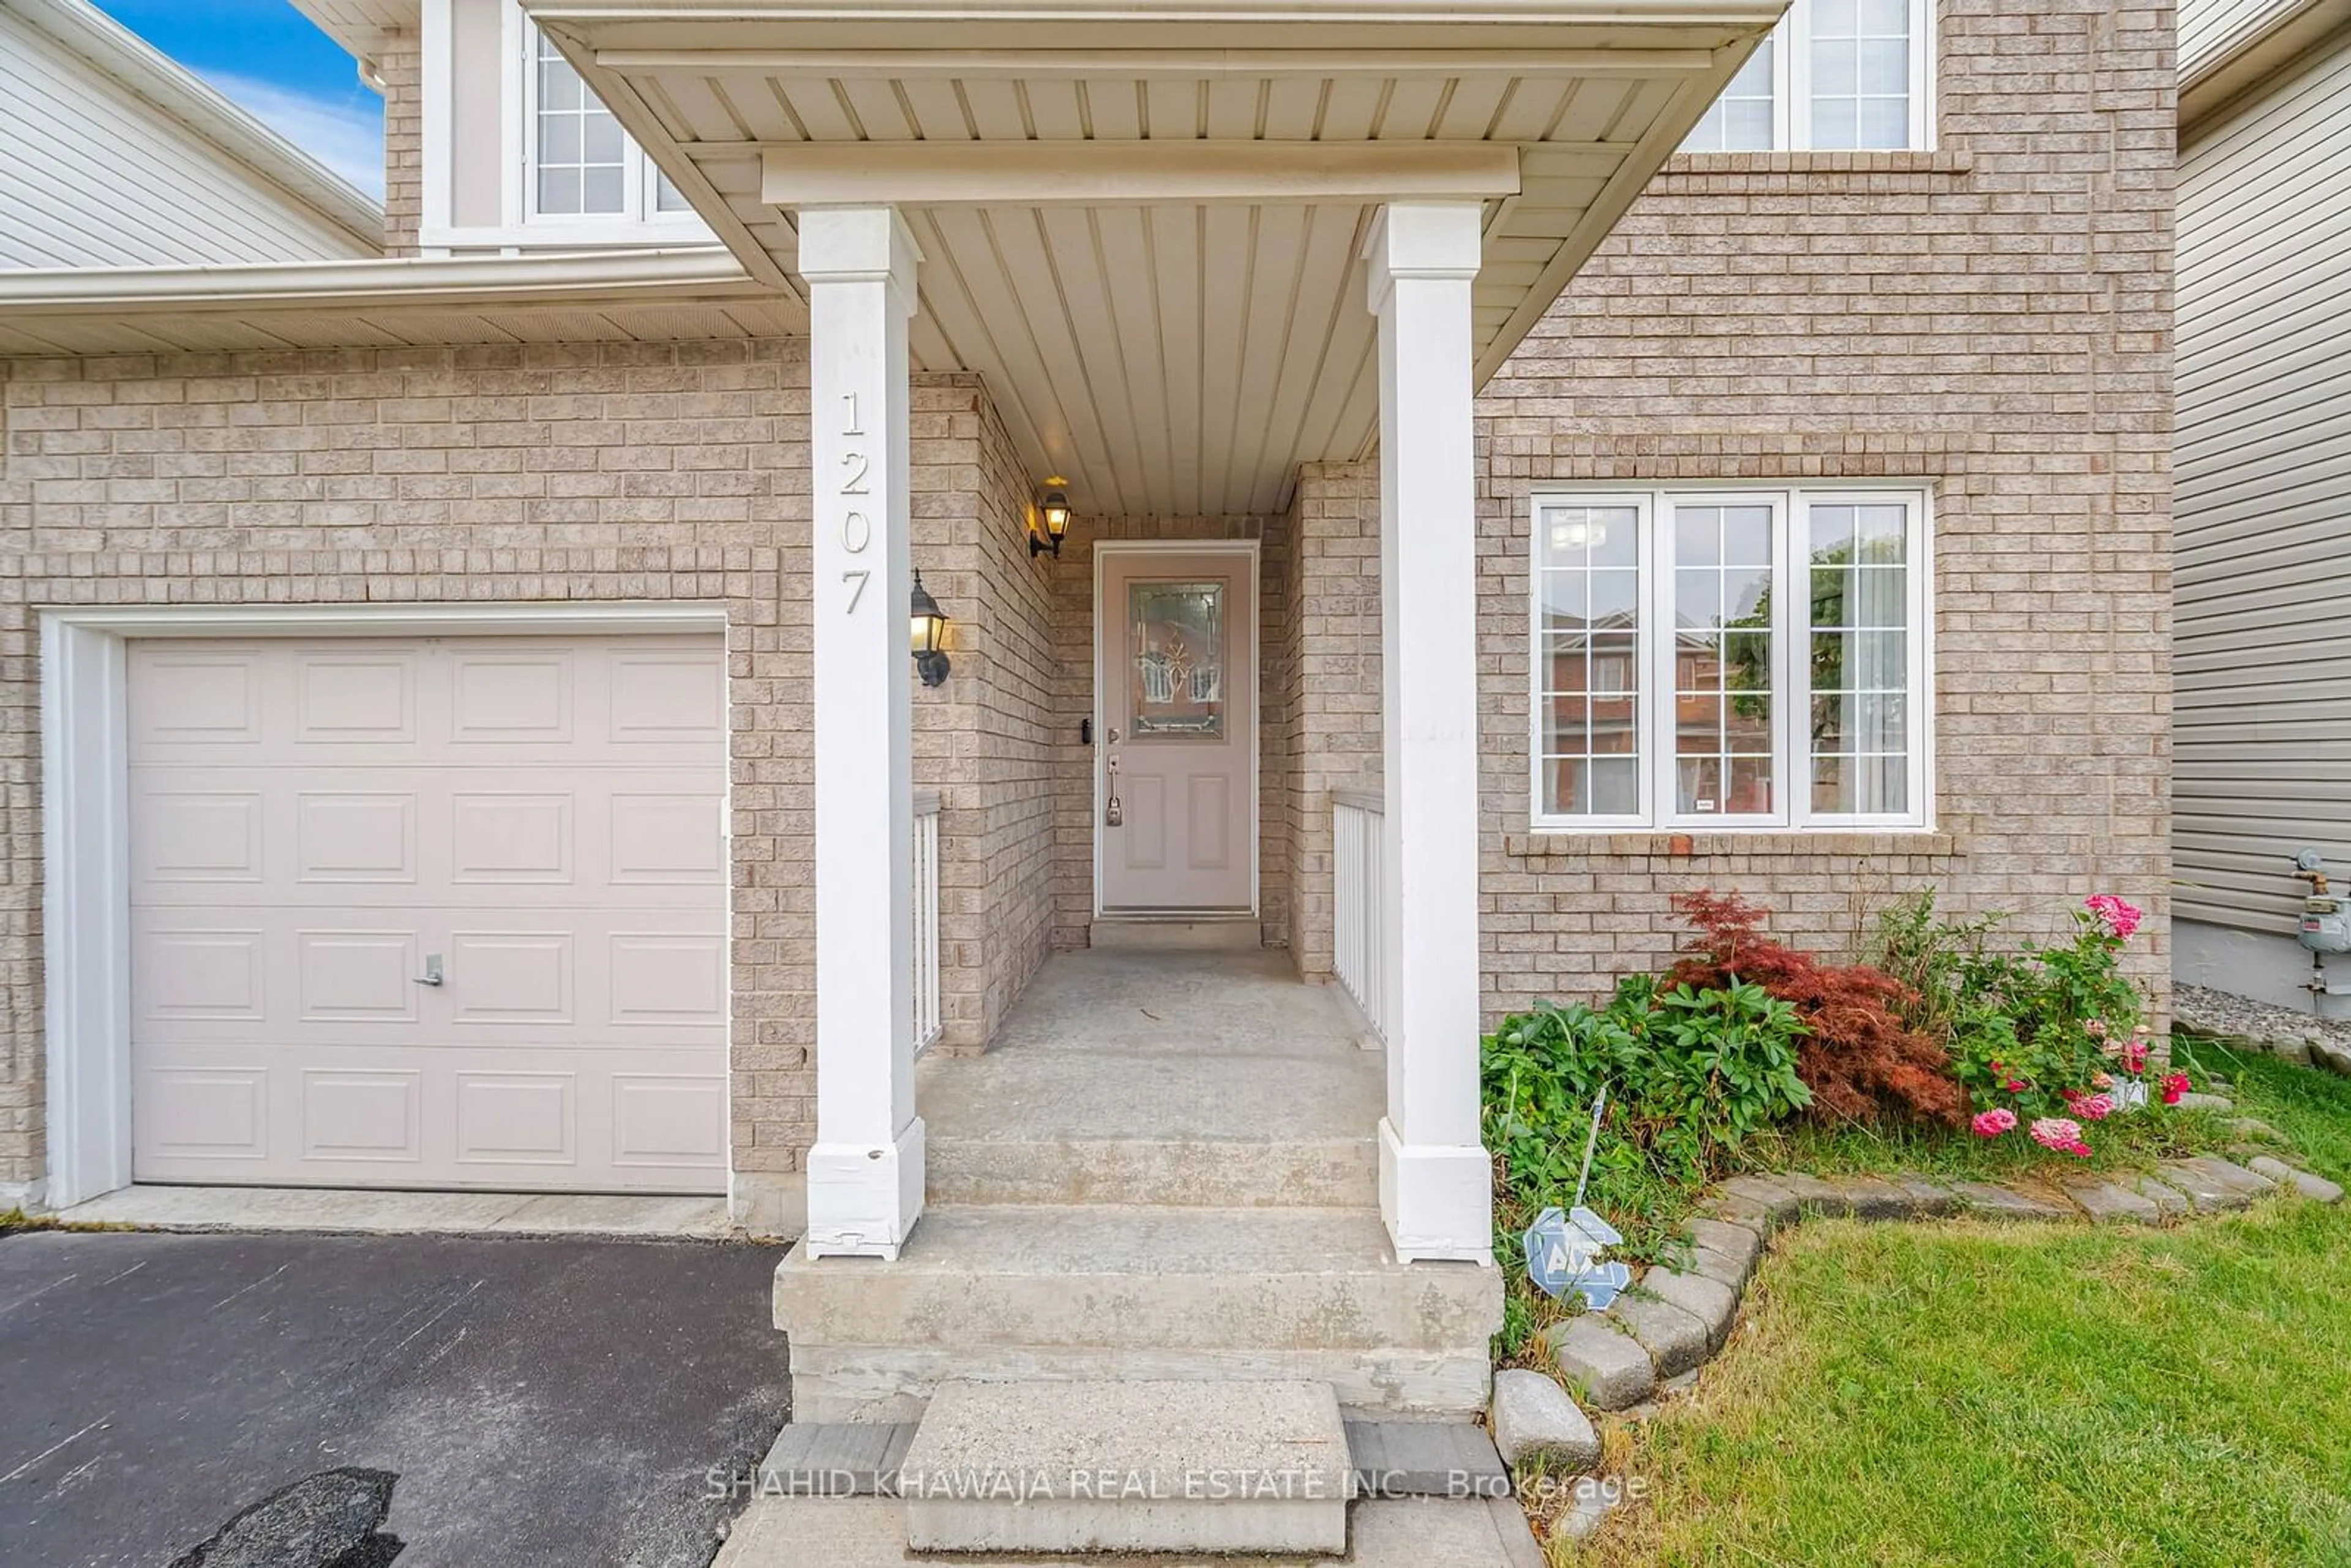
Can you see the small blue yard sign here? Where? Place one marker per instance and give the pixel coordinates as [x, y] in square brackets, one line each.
[1567, 1250]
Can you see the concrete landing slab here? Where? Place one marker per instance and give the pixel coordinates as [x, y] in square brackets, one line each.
[368, 1212]
[871, 1532]
[1228, 1468]
[1121, 1003]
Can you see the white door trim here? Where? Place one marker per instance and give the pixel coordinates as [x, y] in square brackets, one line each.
[1252, 551]
[86, 829]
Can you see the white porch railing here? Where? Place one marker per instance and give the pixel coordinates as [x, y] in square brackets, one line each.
[1357, 874]
[928, 1023]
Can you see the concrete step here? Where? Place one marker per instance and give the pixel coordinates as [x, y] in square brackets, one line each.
[1257, 1466]
[1178, 933]
[1021, 1292]
[1190, 1172]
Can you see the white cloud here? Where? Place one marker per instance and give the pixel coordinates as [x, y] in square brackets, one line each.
[347, 136]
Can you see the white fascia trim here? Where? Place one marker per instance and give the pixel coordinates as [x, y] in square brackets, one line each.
[451, 281]
[128, 60]
[730, 17]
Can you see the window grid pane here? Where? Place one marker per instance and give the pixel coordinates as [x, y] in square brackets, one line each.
[1860, 659]
[1723, 696]
[1589, 660]
[580, 151]
[1740, 120]
[1860, 59]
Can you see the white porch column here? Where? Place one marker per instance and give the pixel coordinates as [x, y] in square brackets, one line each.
[1436, 1185]
[866, 1173]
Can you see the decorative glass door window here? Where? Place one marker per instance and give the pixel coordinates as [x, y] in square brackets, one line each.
[1729, 659]
[1176, 639]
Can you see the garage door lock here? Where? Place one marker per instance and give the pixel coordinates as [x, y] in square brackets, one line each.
[432, 976]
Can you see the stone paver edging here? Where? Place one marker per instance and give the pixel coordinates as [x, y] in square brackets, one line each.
[1674, 1320]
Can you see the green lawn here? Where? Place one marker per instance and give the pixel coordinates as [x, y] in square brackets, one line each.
[1967, 1393]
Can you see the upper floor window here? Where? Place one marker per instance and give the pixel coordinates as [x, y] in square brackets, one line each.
[1835, 75]
[581, 164]
[1713, 658]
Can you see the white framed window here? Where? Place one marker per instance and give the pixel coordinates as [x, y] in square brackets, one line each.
[579, 165]
[1835, 75]
[1716, 658]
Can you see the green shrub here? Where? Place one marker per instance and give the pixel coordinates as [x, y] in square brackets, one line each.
[1691, 1075]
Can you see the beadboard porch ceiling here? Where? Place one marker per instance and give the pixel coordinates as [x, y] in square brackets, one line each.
[1173, 330]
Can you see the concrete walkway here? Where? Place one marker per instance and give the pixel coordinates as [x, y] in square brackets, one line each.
[871, 1532]
[535, 1402]
[375, 1212]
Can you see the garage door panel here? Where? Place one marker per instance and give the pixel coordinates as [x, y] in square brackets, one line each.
[372, 1115]
[668, 1122]
[405, 837]
[347, 835]
[193, 1119]
[347, 976]
[198, 836]
[314, 824]
[202, 974]
[500, 837]
[355, 696]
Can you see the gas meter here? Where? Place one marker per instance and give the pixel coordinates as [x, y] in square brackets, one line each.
[2325, 923]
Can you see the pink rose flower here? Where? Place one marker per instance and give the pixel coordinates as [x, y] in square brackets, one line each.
[2119, 918]
[2095, 1107]
[2061, 1134]
[1991, 1124]
[2175, 1085]
[2135, 1056]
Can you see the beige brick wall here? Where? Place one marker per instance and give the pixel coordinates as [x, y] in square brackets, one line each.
[401, 62]
[1336, 681]
[522, 475]
[1995, 318]
[986, 738]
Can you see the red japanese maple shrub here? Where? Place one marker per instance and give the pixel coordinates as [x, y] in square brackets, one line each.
[1860, 1060]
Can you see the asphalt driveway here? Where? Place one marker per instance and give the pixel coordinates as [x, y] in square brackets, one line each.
[536, 1402]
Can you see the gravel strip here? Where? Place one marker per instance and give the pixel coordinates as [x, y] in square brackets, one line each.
[2208, 1011]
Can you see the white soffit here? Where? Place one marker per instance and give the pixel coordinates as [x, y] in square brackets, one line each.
[1169, 353]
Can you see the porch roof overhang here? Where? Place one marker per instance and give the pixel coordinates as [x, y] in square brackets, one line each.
[403, 302]
[1143, 222]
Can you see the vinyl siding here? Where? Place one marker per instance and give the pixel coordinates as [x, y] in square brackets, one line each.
[2210, 29]
[2263, 709]
[94, 176]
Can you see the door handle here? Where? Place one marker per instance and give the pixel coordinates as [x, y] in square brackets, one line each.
[432, 976]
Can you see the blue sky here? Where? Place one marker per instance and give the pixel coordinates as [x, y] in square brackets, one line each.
[268, 57]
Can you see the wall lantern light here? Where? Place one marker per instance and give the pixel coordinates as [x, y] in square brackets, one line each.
[929, 624]
[1050, 523]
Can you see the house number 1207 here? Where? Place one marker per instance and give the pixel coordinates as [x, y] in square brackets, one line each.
[856, 529]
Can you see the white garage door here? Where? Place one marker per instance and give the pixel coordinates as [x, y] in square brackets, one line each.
[318, 827]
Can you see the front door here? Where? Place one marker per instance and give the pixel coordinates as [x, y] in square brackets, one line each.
[1176, 798]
